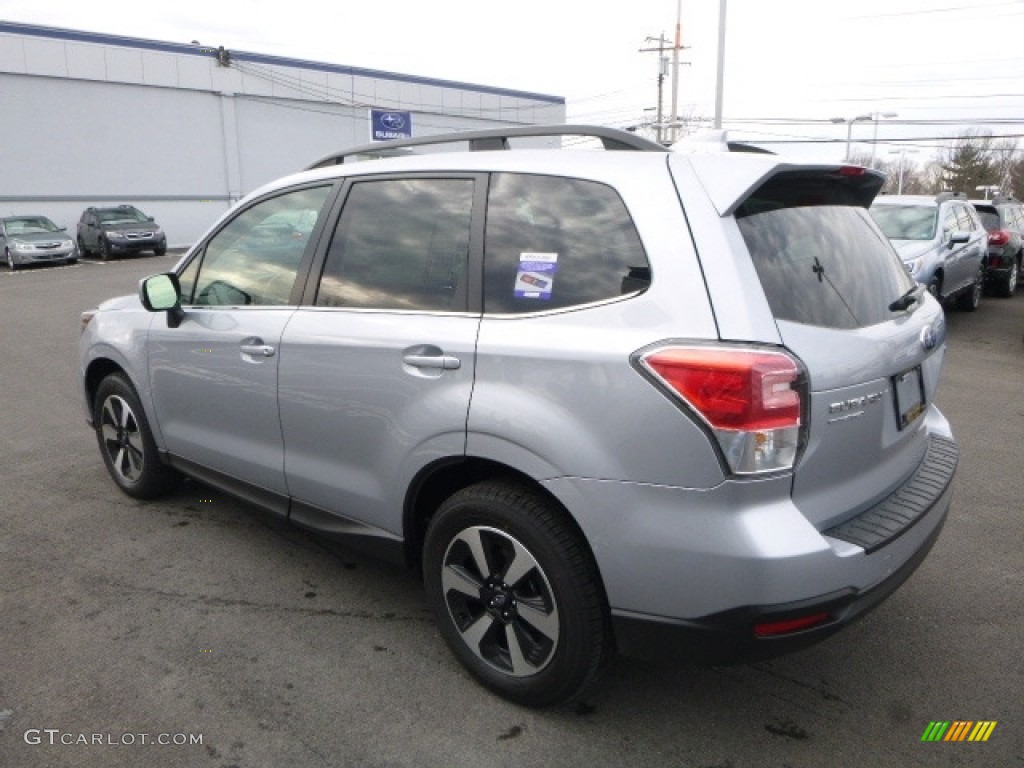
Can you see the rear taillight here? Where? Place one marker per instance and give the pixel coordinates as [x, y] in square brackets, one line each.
[998, 237]
[749, 398]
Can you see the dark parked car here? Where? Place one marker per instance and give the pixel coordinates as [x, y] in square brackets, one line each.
[1003, 217]
[34, 240]
[117, 230]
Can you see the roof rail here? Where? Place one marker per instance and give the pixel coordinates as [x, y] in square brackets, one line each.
[943, 196]
[1005, 199]
[497, 139]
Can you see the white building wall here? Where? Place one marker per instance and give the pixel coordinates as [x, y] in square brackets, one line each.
[96, 120]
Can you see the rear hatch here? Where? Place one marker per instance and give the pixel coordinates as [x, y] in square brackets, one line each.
[871, 340]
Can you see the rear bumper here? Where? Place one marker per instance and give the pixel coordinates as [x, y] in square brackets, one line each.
[691, 574]
[729, 637]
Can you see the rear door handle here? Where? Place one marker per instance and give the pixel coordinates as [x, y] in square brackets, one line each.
[441, 362]
[257, 349]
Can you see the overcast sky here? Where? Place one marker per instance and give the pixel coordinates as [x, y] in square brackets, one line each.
[942, 66]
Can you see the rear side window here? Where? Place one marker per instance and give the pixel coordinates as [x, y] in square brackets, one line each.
[820, 264]
[555, 242]
[400, 244]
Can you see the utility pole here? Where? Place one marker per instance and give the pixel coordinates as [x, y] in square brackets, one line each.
[674, 125]
[662, 64]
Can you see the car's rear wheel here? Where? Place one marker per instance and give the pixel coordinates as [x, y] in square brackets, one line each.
[516, 593]
[970, 299]
[126, 441]
[1008, 285]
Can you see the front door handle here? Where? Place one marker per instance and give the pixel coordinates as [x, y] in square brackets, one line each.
[441, 362]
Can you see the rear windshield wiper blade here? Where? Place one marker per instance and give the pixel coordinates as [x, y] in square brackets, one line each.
[906, 299]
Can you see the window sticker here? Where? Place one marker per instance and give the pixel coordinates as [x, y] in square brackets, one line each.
[536, 275]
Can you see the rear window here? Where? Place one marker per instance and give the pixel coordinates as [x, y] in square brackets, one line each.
[820, 264]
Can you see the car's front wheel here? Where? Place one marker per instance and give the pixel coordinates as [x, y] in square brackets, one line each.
[11, 263]
[160, 250]
[104, 248]
[81, 247]
[516, 593]
[126, 441]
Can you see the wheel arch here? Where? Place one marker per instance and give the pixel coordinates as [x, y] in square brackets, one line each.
[440, 480]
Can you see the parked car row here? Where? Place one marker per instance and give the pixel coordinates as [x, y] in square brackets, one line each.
[34, 239]
[955, 246]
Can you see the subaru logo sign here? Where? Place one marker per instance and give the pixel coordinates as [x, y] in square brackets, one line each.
[386, 125]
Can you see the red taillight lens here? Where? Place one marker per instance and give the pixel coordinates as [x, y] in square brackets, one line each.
[788, 626]
[852, 170]
[998, 237]
[733, 389]
[749, 398]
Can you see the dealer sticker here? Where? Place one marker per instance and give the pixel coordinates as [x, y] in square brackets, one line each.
[536, 275]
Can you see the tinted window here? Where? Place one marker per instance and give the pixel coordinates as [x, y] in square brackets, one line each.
[989, 218]
[400, 244]
[822, 264]
[255, 257]
[554, 242]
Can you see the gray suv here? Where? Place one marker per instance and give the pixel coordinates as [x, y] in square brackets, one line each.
[941, 241]
[117, 230]
[639, 400]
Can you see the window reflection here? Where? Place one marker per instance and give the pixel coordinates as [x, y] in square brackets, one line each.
[400, 244]
[255, 258]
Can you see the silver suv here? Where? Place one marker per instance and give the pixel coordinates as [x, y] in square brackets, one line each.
[634, 399]
[941, 241]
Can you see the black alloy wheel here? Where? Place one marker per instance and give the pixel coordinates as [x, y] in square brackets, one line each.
[126, 442]
[516, 594]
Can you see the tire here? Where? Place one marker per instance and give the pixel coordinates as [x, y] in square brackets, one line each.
[126, 441]
[81, 247]
[72, 260]
[935, 288]
[104, 248]
[544, 637]
[1008, 285]
[11, 263]
[160, 251]
[970, 299]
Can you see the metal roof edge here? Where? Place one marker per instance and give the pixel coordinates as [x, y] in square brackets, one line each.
[102, 38]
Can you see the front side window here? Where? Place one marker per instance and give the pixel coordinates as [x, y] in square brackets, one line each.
[555, 242]
[400, 244]
[254, 259]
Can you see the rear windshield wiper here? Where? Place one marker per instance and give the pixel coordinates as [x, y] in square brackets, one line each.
[906, 299]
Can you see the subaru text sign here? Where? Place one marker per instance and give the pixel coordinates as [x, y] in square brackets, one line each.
[385, 125]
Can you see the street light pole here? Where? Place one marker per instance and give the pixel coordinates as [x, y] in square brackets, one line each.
[874, 136]
[719, 85]
[903, 156]
[849, 129]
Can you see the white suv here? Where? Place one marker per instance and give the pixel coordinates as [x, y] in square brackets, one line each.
[628, 399]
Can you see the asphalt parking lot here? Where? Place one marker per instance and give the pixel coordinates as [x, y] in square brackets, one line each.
[194, 631]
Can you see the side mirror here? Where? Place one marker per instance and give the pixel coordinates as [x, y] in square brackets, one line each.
[959, 238]
[162, 293]
[150, 218]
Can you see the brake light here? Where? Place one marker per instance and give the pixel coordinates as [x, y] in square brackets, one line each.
[749, 398]
[998, 237]
[852, 170]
